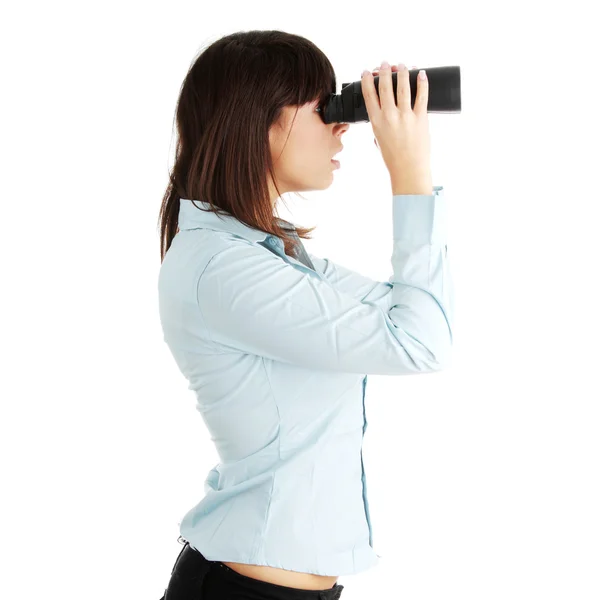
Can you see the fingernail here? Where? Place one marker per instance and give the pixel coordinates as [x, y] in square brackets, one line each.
[385, 64]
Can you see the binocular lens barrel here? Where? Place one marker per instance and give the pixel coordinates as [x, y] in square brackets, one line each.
[444, 95]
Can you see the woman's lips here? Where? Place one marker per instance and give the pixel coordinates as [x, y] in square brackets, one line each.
[336, 163]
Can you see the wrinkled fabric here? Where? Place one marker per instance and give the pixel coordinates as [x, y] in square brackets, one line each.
[276, 350]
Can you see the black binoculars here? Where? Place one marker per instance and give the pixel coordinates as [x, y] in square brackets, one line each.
[349, 105]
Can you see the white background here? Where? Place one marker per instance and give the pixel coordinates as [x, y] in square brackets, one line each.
[484, 479]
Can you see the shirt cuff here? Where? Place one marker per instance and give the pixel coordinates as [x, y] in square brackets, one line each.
[420, 218]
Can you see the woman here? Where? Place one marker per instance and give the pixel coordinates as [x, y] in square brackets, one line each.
[275, 342]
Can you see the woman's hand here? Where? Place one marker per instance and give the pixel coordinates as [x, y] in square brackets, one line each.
[375, 73]
[401, 132]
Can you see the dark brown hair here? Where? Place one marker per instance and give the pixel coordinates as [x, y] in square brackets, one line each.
[234, 91]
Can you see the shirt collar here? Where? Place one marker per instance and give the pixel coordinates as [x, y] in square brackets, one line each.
[191, 217]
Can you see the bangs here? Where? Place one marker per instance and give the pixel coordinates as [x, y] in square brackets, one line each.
[310, 76]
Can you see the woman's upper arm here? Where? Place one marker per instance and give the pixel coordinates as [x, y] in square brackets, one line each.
[253, 301]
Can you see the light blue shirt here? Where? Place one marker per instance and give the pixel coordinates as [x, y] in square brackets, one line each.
[278, 354]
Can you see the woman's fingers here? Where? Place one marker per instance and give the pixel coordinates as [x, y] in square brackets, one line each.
[402, 102]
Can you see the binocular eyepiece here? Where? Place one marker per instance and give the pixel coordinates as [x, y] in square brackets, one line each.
[444, 96]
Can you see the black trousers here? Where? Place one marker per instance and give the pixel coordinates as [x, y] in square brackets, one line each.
[194, 577]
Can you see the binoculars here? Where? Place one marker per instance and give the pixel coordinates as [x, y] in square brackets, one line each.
[349, 105]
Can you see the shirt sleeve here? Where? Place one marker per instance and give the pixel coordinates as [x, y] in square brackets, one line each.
[253, 302]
